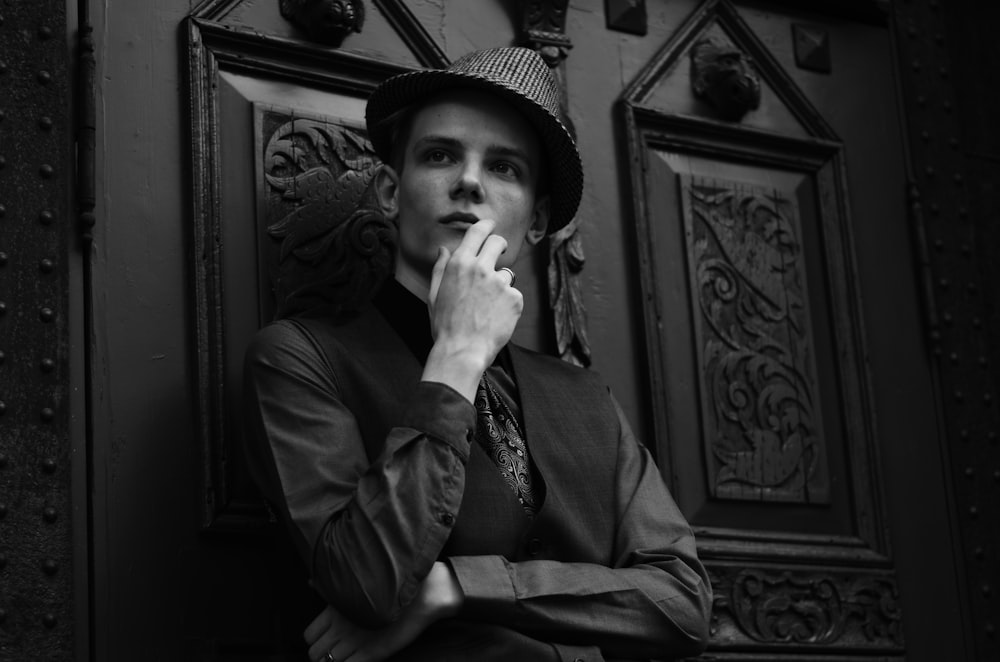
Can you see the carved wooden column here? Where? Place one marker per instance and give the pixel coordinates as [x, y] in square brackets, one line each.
[543, 29]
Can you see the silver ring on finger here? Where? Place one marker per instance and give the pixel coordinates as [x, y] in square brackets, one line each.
[513, 276]
[329, 656]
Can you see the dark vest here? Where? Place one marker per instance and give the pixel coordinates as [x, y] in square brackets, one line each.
[570, 426]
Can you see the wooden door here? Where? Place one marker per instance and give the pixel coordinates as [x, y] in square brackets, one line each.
[207, 109]
[766, 172]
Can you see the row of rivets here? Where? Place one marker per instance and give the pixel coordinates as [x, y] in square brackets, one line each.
[939, 167]
[46, 365]
[48, 465]
[47, 414]
[46, 264]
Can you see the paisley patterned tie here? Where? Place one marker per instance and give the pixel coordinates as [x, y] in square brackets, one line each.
[500, 436]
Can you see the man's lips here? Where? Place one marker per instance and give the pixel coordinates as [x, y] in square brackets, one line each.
[463, 219]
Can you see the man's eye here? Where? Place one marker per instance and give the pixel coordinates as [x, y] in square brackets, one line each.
[505, 168]
[437, 156]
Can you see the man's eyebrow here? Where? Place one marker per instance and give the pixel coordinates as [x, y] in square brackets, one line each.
[437, 140]
[510, 152]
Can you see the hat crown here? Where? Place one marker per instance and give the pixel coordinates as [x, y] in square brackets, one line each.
[520, 70]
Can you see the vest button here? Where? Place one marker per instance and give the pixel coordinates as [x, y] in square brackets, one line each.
[447, 519]
[534, 547]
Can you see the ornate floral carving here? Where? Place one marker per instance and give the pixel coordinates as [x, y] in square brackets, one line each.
[722, 75]
[325, 21]
[761, 415]
[820, 608]
[565, 264]
[335, 243]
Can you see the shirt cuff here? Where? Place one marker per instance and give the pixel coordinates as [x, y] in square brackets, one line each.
[485, 581]
[443, 413]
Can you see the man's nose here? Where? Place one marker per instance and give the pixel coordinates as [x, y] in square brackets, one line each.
[469, 183]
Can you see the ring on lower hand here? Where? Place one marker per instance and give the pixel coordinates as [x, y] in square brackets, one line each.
[329, 657]
[513, 276]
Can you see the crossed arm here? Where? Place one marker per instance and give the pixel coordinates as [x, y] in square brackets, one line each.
[652, 600]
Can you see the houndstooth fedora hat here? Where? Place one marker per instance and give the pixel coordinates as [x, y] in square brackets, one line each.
[518, 75]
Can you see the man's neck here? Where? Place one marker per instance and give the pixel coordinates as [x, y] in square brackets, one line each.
[417, 285]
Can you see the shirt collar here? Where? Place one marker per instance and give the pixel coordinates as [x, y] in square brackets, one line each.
[408, 317]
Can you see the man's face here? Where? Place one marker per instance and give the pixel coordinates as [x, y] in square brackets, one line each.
[468, 156]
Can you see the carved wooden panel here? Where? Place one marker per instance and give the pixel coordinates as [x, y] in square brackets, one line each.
[757, 357]
[761, 423]
[322, 239]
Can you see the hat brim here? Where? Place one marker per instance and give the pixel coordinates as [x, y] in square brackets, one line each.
[564, 168]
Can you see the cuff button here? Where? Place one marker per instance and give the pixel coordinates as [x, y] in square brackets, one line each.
[447, 519]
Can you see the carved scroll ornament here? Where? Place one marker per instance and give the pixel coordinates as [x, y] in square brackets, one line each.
[325, 21]
[334, 244]
[565, 264]
[724, 77]
[811, 608]
[756, 366]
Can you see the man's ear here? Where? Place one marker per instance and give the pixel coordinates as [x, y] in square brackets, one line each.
[387, 191]
[539, 221]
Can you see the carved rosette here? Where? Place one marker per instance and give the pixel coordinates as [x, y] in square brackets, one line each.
[818, 608]
[325, 21]
[329, 243]
[724, 76]
[755, 347]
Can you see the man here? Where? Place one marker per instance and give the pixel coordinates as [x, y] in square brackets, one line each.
[456, 497]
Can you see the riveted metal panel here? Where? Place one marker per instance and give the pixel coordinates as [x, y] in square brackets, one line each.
[944, 51]
[36, 606]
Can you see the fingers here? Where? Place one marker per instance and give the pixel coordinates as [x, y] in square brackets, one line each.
[474, 237]
[492, 249]
[319, 625]
[507, 275]
[326, 643]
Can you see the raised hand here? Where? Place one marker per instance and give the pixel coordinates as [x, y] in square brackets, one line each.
[473, 307]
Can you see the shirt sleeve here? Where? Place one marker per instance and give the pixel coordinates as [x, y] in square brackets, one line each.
[654, 600]
[369, 532]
